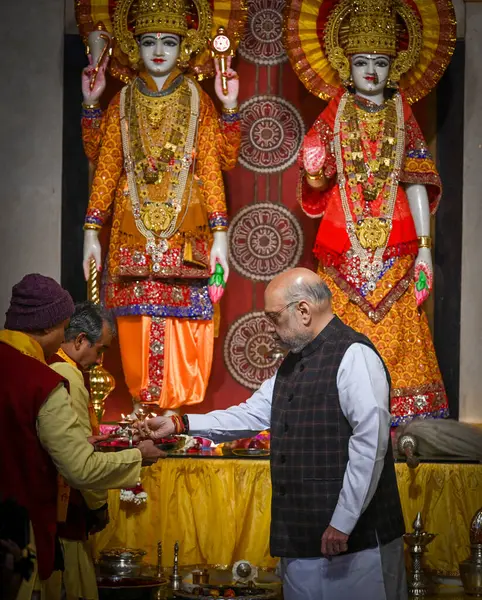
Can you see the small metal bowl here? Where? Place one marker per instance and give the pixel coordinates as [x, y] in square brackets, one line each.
[121, 562]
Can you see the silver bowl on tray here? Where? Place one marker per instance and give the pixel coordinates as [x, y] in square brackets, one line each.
[121, 562]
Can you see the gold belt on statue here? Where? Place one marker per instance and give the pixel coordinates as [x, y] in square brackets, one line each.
[157, 216]
[372, 233]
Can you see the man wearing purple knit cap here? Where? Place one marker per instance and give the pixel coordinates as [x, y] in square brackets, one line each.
[41, 307]
[42, 444]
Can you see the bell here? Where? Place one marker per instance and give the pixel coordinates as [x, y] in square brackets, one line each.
[471, 568]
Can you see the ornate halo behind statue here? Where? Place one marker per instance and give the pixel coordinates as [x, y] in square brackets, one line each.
[315, 39]
[231, 14]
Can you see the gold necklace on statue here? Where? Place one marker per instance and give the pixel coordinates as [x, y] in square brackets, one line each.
[159, 120]
[160, 128]
[364, 175]
[372, 123]
[362, 128]
[159, 135]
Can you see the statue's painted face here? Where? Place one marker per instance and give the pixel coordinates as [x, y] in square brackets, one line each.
[370, 73]
[159, 52]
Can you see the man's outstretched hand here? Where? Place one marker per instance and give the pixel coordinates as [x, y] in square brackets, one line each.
[156, 428]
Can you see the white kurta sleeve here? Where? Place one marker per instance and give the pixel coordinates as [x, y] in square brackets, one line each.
[237, 422]
[364, 400]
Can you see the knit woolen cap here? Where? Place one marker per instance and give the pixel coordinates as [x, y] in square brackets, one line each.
[37, 303]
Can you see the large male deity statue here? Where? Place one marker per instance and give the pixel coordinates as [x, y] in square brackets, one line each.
[159, 151]
[367, 172]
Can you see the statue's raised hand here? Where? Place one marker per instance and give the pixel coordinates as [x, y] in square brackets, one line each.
[91, 250]
[231, 99]
[314, 153]
[92, 96]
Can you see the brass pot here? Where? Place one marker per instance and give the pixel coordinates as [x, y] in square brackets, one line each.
[471, 572]
[121, 562]
[471, 569]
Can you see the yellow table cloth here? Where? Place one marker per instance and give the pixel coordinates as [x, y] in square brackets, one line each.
[219, 511]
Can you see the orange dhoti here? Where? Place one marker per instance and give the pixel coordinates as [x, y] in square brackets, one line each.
[166, 360]
[390, 318]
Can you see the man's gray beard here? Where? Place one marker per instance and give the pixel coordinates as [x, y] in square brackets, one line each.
[300, 344]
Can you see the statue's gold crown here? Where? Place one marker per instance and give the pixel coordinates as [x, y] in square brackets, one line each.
[161, 16]
[372, 28]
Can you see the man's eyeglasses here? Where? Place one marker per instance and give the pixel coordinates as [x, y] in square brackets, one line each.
[274, 316]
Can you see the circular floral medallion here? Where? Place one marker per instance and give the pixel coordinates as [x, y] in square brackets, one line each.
[264, 240]
[250, 352]
[262, 44]
[272, 131]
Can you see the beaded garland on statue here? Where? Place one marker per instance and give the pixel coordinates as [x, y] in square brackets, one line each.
[371, 176]
[159, 136]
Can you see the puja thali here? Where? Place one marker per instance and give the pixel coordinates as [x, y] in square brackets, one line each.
[214, 592]
[116, 444]
[183, 446]
[251, 452]
[241, 580]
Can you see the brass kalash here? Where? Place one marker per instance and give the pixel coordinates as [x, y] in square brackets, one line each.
[101, 381]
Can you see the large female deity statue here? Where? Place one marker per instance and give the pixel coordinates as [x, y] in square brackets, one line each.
[159, 151]
[367, 172]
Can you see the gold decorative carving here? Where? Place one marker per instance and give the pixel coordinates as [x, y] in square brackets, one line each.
[101, 381]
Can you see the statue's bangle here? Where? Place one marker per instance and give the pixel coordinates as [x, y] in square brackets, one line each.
[92, 227]
[424, 241]
[90, 106]
[230, 111]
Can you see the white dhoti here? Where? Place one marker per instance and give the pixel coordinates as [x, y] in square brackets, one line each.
[373, 574]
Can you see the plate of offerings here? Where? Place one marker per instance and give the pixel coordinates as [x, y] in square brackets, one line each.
[115, 444]
[254, 447]
[251, 452]
[241, 580]
[215, 592]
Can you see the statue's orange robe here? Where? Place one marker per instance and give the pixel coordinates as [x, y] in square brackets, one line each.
[165, 323]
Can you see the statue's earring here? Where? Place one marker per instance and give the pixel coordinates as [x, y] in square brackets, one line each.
[392, 85]
[182, 64]
[348, 83]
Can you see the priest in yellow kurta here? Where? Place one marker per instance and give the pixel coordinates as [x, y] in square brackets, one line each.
[88, 335]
